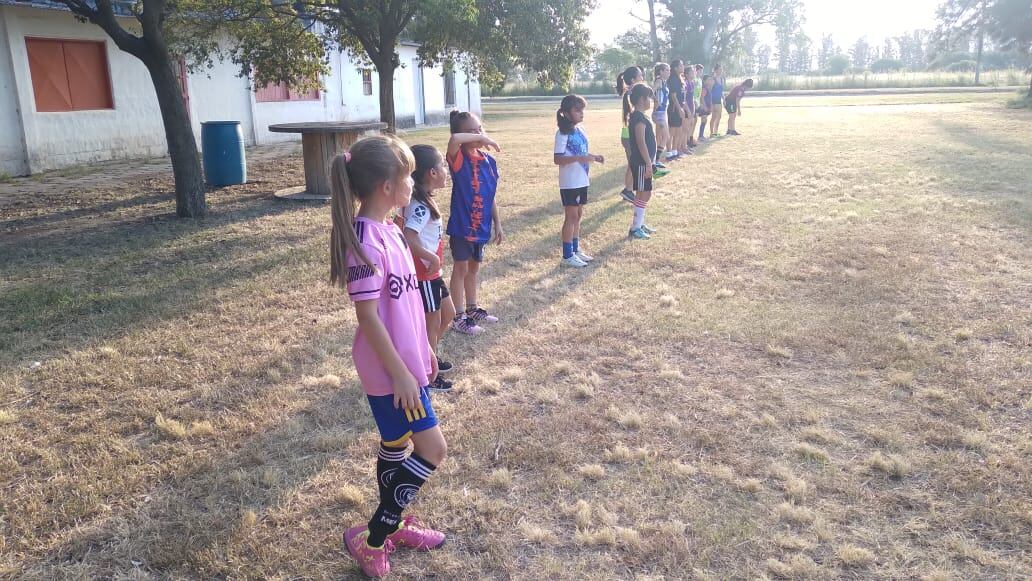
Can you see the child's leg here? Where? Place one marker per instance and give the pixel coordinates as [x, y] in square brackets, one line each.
[715, 121]
[460, 269]
[433, 328]
[702, 126]
[569, 229]
[447, 314]
[470, 282]
[627, 178]
[641, 201]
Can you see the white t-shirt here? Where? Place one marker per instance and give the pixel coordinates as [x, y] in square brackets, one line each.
[419, 218]
[572, 175]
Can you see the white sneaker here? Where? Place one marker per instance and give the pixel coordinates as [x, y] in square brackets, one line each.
[574, 261]
[583, 257]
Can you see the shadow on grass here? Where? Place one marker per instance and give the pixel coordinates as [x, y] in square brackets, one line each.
[64, 290]
[997, 160]
[193, 518]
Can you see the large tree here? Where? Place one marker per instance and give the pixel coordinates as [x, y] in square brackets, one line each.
[965, 18]
[159, 32]
[706, 29]
[488, 36]
[1010, 24]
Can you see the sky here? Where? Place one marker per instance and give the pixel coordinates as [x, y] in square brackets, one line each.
[845, 20]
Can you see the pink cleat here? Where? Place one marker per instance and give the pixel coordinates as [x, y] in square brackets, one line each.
[467, 326]
[375, 562]
[413, 534]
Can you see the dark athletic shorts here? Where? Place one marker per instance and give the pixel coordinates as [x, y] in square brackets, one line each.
[397, 425]
[462, 249]
[433, 292]
[674, 118]
[731, 106]
[574, 196]
[642, 178]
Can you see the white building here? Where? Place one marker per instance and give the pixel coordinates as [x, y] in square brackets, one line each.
[69, 96]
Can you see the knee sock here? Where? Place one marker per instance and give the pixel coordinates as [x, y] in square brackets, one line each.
[639, 214]
[576, 244]
[400, 491]
[388, 460]
[567, 249]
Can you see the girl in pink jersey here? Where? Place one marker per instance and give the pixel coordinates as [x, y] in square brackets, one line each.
[369, 256]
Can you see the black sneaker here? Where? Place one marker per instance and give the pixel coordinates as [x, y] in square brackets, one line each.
[628, 195]
[443, 366]
[440, 384]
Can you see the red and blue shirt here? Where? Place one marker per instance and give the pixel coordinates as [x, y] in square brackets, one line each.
[474, 182]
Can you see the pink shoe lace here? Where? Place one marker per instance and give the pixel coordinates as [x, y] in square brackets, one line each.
[374, 562]
[413, 534]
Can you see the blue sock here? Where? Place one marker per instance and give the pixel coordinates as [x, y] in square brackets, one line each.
[567, 249]
[576, 244]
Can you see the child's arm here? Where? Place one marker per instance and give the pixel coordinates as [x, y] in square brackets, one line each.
[406, 392]
[457, 140]
[497, 220]
[419, 252]
[561, 159]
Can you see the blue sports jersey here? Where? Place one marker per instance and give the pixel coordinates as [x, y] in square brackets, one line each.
[662, 98]
[717, 92]
[474, 181]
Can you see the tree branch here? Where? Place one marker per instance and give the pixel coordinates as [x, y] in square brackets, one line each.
[104, 17]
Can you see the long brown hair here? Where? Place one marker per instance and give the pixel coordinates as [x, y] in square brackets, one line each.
[353, 177]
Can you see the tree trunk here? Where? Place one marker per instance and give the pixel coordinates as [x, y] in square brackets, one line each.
[657, 55]
[978, 54]
[182, 147]
[385, 70]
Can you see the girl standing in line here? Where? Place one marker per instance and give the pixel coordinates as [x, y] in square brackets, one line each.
[659, 114]
[717, 97]
[572, 157]
[643, 150]
[627, 79]
[423, 229]
[474, 176]
[394, 361]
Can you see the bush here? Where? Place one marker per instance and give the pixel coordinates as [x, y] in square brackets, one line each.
[961, 66]
[837, 64]
[1023, 101]
[886, 65]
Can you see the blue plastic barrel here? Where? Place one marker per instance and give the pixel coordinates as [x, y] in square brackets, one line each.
[222, 145]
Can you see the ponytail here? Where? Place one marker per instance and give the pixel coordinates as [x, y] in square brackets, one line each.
[623, 80]
[455, 120]
[353, 177]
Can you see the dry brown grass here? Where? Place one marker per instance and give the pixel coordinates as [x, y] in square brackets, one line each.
[819, 290]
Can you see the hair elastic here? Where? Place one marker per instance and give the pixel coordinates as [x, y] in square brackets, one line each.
[347, 157]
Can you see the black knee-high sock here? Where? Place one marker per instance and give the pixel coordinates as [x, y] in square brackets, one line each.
[388, 461]
[400, 491]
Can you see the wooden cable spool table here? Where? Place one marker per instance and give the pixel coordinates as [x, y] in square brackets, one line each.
[321, 141]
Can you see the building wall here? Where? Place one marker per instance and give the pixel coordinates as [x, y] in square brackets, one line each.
[12, 146]
[32, 141]
[132, 129]
[220, 94]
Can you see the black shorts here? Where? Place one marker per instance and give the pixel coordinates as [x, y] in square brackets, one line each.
[433, 292]
[462, 249]
[642, 178]
[731, 106]
[574, 196]
[674, 118]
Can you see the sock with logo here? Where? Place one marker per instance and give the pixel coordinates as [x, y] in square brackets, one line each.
[388, 461]
[400, 492]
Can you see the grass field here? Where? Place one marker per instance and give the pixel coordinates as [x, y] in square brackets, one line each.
[821, 367]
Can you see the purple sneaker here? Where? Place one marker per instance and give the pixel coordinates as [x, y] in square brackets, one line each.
[466, 326]
[481, 316]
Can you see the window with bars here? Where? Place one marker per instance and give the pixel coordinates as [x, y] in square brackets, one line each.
[69, 75]
[449, 87]
[367, 81]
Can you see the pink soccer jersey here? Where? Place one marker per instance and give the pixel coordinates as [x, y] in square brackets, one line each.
[391, 280]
